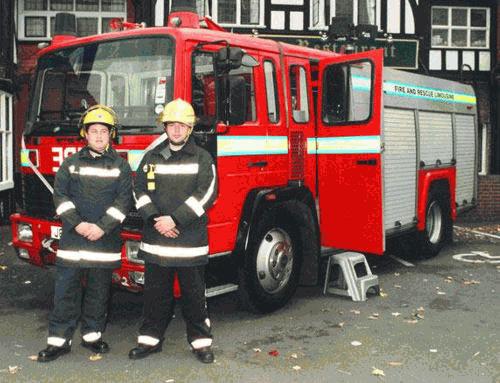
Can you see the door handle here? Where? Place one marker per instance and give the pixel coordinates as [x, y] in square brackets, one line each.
[372, 162]
[257, 164]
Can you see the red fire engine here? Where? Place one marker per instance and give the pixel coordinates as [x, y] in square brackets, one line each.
[315, 151]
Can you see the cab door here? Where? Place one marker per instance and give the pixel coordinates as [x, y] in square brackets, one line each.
[349, 152]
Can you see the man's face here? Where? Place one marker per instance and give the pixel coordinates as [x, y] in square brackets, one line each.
[97, 137]
[177, 132]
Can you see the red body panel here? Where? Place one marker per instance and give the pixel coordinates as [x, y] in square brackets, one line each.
[350, 194]
[425, 179]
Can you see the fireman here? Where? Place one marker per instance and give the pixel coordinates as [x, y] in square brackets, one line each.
[92, 195]
[175, 186]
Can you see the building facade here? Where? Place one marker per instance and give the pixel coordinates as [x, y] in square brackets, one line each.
[455, 39]
[7, 89]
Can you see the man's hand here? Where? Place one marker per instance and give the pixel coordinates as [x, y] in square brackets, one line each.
[94, 233]
[83, 228]
[166, 226]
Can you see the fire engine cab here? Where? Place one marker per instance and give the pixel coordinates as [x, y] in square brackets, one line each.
[315, 151]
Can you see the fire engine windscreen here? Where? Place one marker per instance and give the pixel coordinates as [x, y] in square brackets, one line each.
[133, 76]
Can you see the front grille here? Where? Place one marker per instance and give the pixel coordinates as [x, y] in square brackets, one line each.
[37, 202]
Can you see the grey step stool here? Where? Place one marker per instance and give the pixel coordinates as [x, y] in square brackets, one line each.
[349, 282]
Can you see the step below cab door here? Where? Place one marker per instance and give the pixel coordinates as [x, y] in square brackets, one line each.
[349, 152]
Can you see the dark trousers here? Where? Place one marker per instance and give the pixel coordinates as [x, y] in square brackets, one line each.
[159, 301]
[74, 302]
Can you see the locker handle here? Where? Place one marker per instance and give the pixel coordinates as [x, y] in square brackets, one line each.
[372, 162]
[257, 164]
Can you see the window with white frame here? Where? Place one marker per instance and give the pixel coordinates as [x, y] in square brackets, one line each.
[359, 11]
[37, 17]
[6, 157]
[239, 12]
[460, 27]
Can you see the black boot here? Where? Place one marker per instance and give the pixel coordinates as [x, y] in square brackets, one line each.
[142, 350]
[204, 354]
[98, 347]
[53, 352]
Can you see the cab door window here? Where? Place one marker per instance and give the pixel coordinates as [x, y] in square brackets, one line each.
[273, 110]
[298, 94]
[347, 93]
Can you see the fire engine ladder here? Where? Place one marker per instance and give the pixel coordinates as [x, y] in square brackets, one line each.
[351, 276]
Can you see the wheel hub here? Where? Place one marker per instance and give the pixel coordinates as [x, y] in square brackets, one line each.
[275, 260]
[434, 222]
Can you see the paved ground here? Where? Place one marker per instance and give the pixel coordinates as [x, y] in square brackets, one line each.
[438, 321]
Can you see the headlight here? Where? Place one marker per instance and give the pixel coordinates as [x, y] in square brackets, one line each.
[24, 232]
[132, 249]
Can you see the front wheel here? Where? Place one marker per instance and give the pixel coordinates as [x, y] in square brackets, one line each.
[437, 226]
[270, 273]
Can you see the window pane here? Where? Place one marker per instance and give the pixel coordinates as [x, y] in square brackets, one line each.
[347, 92]
[459, 17]
[366, 12]
[458, 38]
[86, 26]
[344, 8]
[35, 5]
[61, 5]
[315, 13]
[226, 11]
[271, 92]
[478, 18]
[360, 91]
[35, 27]
[298, 93]
[439, 16]
[200, 7]
[478, 39]
[439, 37]
[52, 26]
[250, 11]
[87, 5]
[105, 27]
[7, 113]
[113, 5]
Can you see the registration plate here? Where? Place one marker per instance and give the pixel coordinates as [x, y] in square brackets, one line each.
[55, 232]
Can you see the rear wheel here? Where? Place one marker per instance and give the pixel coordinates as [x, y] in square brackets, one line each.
[270, 273]
[437, 225]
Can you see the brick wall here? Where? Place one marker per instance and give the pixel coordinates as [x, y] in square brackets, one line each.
[488, 206]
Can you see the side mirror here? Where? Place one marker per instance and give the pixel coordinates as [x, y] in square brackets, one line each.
[205, 124]
[228, 58]
[237, 101]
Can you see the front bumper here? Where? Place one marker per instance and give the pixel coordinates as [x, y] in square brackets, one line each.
[41, 250]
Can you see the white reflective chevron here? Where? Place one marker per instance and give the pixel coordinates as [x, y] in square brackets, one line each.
[116, 214]
[64, 207]
[55, 341]
[83, 255]
[99, 172]
[142, 201]
[210, 190]
[147, 340]
[176, 169]
[174, 251]
[92, 336]
[200, 343]
[195, 206]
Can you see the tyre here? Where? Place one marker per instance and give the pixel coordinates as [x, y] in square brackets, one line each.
[270, 272]
[437, 230]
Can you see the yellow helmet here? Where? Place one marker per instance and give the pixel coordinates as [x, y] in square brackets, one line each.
[179, 110]
[98, 114]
